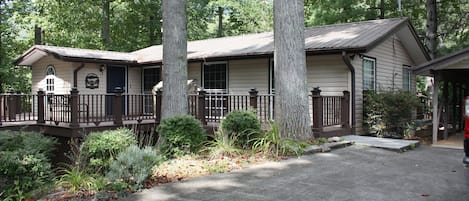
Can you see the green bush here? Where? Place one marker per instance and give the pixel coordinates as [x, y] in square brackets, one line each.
[387, 113]
[243, 124]
[100, 148]
[24, 163]
[133, 165]
[182, 135]
[75, 180]
[270, 142]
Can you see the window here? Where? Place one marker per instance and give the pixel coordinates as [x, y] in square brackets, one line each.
[406, 78]
[50, 79]
[369, 73]
[215, 76]
[151, 77]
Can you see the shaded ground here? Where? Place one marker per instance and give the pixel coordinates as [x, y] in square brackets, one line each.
[352, 173]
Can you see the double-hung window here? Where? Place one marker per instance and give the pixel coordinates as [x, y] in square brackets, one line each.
[215, 77]
[369, 73]
[406, 78]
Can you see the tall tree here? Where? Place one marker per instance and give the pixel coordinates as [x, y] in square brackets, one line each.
[106, 24]
[432, 27]
[174, 101]
[291, 105]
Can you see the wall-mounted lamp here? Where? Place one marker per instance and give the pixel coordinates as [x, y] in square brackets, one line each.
[101, 68]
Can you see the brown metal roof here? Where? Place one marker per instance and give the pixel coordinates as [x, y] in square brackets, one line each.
[356, 36]
[353, 37]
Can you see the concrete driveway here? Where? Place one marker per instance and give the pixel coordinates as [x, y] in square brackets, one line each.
[352, 173]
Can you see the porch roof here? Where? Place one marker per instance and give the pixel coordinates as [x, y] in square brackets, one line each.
[455, 61]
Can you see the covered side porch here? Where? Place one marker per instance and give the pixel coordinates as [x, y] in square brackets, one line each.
[450, 86]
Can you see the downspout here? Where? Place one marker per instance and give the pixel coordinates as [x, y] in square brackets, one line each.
[347, 62]
[75, 75]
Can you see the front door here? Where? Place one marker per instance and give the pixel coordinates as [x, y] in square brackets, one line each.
[115, 78]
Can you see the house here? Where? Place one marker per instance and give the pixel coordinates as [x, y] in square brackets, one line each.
[351, 57]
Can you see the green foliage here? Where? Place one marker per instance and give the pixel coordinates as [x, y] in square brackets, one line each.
[133, 165]
[24, 163]
[100, 148]
[222, 145]
[386, 113]
[75, 180]
[183, 135]
[243, 124]
[270, 142]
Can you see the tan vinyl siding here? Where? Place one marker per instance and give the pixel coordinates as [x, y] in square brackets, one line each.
[194, 72]
[329, 73]
[82, 73]
[244, 75]
[134, 80]
[63, 75]
[390, 57]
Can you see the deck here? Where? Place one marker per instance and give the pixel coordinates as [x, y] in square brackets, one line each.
[72, 115]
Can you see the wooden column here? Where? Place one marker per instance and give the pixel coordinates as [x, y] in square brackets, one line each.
[446, 107]
[118, 106]
[436, 116]
[201, 108]
[158, 97]
[74, 108]
[253, 99]
[11, 104]
[345, 113]
[317, 110]
[40, 107]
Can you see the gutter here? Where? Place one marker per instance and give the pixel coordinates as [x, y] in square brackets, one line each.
[347, 62]
[75, 75]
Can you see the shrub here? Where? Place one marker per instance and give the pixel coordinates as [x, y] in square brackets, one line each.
[75, 179]
[100, 148]
[270, 142]
[243, 124]
[222, 145]
[386, 113]
[133, 165]
[24, 163]
[182, 135]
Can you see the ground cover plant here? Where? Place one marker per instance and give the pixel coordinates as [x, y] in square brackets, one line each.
[25, 164]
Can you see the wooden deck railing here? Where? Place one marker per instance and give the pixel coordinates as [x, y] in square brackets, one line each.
[75, 109]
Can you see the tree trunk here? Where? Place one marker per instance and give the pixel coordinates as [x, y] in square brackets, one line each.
[381, 9]
[174, 58]
[432, 26]
[151, 30]
[220, 21]
[291, 105]
[105, 32]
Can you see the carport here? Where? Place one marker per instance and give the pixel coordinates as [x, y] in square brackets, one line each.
[450, 85]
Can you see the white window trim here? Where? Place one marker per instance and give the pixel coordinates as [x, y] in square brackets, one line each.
[227, 78]
[50, 77]
[407, 69]
[374, 71]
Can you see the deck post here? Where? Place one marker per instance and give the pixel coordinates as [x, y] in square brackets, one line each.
[40, 106]
[317, 110]
[11, 104]
[253, 99]
[159, 95]
[74, 108]
[345, 113]
[118, 106]
[201, 108]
